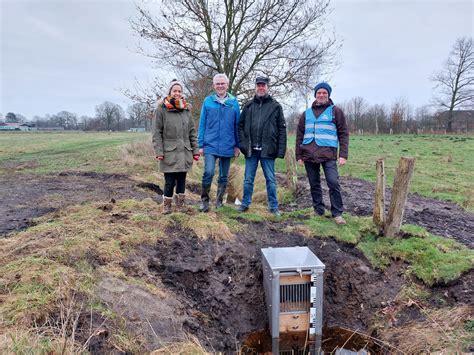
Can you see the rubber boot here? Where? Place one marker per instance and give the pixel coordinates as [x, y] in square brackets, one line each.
[220, 195]
[167, 205]
[180, 201]
[204, 206]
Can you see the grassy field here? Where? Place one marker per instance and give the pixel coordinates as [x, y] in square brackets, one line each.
[53, 152]
[443, 168]
[54, 266]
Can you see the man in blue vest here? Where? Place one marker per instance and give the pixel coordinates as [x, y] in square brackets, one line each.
[218, 138]
[322, 128]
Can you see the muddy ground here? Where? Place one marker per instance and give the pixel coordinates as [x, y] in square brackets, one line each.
[25, 197]
[213, 289]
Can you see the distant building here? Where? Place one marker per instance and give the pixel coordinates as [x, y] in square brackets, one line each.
[15, 126]
[136, 129]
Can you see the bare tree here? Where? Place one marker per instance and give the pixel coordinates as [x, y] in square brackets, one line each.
[147, 93]
[377, 117]
[354, 110]
[399, 113]
[65, 119]
[109, 114]
[283, 40]
[138, 114]
[455, 82]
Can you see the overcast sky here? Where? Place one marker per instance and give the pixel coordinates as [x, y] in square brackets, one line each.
[74, 54]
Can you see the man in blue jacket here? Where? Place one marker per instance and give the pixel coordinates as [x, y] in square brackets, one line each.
[218, 138]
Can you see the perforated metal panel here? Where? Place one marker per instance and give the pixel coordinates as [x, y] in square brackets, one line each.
[295, 298]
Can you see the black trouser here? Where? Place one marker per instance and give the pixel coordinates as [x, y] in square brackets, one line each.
[332, 180]
[172, 179]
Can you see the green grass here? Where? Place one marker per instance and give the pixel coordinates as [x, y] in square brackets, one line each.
[232, 213]
[32, 283]
[325, 227]
[443, 167]
[54, 152]
[431, 258]
[352, 232]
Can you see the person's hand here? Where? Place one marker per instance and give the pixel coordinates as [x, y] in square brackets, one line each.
[201, 151]
[160, 157]
[342, 161]
[300, 162]
[236, 152]
[196, 157]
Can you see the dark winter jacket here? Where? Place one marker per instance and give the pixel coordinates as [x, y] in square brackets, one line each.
[174, 137]
[273, 128]
[314, 153]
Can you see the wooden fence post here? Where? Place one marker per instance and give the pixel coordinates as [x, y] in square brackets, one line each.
[379, 203]
[291, 174]
[401, 185]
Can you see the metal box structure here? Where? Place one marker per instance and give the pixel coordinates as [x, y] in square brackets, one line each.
[293, 283]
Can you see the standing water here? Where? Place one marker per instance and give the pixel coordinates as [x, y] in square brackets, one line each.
[334, 341]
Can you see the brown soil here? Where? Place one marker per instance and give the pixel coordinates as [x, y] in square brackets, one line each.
[219, 283]
[213, 289]
[25, 197]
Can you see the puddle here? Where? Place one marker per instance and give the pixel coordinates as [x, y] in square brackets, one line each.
[334, 341]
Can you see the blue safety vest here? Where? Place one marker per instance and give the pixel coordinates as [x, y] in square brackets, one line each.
[321, 129]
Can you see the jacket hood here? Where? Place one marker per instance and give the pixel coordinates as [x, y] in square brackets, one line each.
[228, 99]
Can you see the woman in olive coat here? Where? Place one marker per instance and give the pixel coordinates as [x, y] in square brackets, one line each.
[175, 144]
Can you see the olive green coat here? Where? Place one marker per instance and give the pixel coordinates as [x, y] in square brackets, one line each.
[174, 137]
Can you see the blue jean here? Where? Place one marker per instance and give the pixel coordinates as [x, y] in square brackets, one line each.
[210, 166]
[268, 167]
[332, 180]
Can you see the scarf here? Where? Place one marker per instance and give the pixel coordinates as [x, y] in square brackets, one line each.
[175, 104]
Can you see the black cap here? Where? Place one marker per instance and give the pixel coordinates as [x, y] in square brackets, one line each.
[262, 80]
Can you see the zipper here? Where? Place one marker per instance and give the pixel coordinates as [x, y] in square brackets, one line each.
[259, 119]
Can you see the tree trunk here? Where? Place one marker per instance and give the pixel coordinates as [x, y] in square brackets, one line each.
[401, 185]
[449, 127]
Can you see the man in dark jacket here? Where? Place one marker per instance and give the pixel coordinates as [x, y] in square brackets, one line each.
[262, 136]
[321, 129]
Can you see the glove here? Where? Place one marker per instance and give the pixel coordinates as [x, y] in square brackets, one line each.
[196, 157]
[160, 157]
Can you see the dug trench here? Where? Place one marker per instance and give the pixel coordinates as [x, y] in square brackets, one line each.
[219, 286]
[213, 289]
